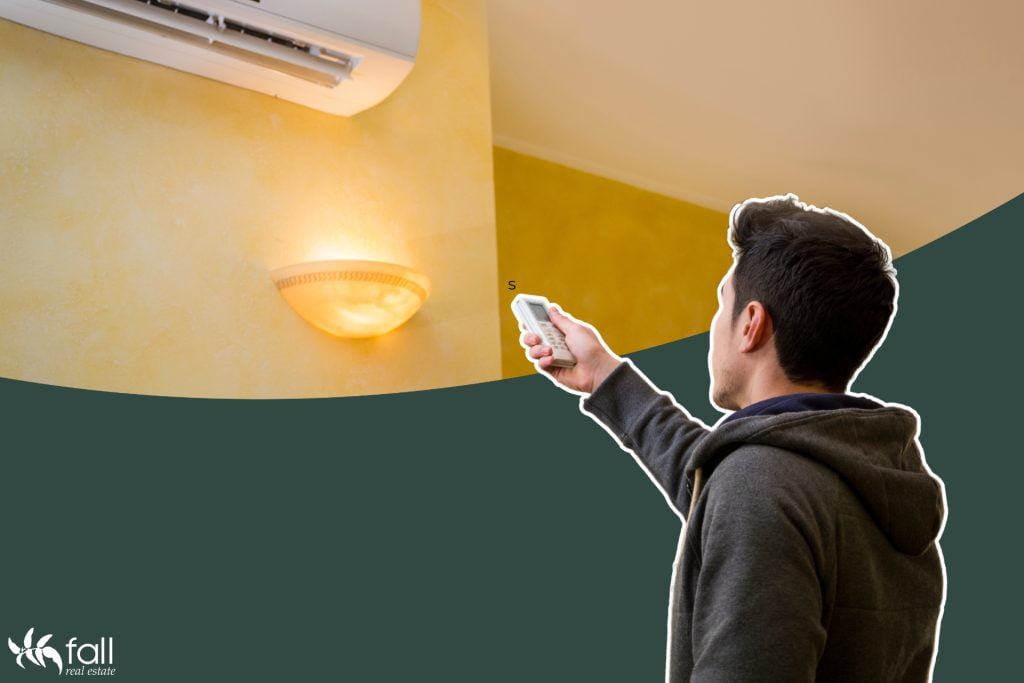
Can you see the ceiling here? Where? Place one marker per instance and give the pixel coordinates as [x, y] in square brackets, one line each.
[906, 115]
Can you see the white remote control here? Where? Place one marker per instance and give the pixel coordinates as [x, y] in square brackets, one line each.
[532, 311]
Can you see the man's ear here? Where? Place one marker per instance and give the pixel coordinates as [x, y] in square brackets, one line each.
[757, 327]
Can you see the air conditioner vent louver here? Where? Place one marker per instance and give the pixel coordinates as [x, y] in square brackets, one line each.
[180, 9]
[240, 27]
[272, 47]
[226, 36]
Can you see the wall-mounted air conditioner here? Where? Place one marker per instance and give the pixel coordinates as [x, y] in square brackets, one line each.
[338, 56]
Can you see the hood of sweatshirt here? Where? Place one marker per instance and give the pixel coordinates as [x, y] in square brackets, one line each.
[875, 451]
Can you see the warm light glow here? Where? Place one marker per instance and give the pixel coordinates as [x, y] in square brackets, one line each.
[352, 298]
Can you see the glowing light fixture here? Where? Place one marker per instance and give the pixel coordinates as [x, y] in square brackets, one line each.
[352, 298]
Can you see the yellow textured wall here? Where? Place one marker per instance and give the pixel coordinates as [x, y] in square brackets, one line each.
[641, 267]
[142, 209]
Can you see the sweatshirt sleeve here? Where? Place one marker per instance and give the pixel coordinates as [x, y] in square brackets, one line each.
[651, 425]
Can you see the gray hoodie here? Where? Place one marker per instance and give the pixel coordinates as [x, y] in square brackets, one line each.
[811, 552]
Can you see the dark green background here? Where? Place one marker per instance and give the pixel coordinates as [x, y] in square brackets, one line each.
[480, 533]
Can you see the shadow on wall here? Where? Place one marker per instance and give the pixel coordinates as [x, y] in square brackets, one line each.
[641, 267]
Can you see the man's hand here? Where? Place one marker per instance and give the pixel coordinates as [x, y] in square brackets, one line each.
[594, 361]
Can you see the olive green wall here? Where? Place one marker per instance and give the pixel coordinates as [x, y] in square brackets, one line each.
[641, 267]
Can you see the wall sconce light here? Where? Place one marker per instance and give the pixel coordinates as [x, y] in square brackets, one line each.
[352, 298]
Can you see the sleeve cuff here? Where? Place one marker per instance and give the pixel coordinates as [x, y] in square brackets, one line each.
[620, 397]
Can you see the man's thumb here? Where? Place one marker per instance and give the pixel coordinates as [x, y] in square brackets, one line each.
[559, 319]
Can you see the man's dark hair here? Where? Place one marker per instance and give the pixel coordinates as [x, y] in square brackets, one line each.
[827, 284]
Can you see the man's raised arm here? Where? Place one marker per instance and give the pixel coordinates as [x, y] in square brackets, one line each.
[645, 421]
[650, 425]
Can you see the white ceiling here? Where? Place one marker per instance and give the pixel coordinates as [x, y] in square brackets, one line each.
[905, 114]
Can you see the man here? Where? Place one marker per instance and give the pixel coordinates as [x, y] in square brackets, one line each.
[809, 551]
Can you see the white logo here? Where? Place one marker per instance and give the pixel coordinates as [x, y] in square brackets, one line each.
[97, 656]
[37, 654]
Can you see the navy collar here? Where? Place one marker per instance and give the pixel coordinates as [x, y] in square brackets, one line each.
[795, 403]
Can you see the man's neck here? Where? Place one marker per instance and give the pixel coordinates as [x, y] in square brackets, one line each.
[761, 391]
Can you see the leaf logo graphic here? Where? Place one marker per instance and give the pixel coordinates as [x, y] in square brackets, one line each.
[37, 654]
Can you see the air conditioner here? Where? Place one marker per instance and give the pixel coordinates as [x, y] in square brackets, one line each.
[338, 56]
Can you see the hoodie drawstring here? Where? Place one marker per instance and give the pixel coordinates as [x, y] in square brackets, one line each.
[698, 483]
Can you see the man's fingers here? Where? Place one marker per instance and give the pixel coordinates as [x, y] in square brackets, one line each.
[529, 339]
[539, 351]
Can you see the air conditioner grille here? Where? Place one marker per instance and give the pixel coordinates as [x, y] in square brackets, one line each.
[252, 44]
[246, 29]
